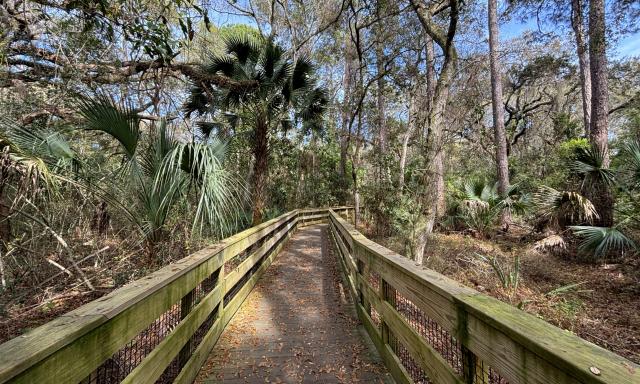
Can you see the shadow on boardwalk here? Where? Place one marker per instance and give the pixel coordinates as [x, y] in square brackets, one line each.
[297, 326]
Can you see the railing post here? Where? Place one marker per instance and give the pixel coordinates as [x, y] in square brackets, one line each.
[186, 304]
[388, 294]
[363, 271]
[220, 281]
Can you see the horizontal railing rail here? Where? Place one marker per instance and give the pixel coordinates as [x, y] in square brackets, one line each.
[159, 328]
[431, 329]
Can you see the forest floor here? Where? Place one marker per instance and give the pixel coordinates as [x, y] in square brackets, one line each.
[598, 302]
[44, 292]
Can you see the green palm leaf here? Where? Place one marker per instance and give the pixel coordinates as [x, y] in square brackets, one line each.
[590, 164]
[602, 240]
[103, 114]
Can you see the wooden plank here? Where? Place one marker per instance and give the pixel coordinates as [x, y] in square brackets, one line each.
[81, 355]
[20, 353]
[310, 223]
[154, 364]
[520, 346]
[189, 372]
[437, 369]
[236, 244]
[391, 361]
[198, 357]
[237, 273]
[313, 216]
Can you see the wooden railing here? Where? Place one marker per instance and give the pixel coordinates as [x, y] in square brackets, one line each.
[428, 328]
[157, 329]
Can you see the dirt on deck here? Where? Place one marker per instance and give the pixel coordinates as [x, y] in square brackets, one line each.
[298, 325]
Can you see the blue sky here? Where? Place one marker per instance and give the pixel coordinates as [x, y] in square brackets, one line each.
[627, 46]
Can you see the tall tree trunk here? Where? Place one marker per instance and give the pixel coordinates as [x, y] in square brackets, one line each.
[601, 195]
[577, 23]
[345, 134]
[414, 99]
[381, 118]
[499, 134]
[260, 168]
[433, 201]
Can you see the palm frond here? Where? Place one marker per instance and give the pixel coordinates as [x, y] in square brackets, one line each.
[602, 240]
[590, 164]
[633, 150]
[302, 72]
[270, 58]
[220, 194]
[564, 205]
[122, 123]
[243, 47]
[224, 65]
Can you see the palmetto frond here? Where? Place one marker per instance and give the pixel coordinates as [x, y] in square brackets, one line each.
[34, 152]
[564, 206]
[602, 240]
[302, 74]
[219, 192]
[284, 86]
[244, 47]
[590, 164]
[633, 150]
[122, 123]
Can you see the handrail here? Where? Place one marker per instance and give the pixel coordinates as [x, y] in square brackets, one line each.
[425, 324]
[163, 325]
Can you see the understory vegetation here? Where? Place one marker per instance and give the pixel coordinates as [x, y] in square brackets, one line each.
[496, 143]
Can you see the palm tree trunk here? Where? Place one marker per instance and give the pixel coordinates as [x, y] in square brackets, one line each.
[577, 23]
[499, 134]
[260, 168]
[601, 195]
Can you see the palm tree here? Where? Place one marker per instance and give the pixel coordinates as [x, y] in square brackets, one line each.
[29, 159]
[161, 172]
[284, 93]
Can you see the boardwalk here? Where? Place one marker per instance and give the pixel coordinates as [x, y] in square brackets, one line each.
[297, 326]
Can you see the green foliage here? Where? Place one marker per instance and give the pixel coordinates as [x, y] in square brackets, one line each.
[570, 150]
[164, 171]
[563, 208]
[509, 276]
[477, 205]
[600, 241]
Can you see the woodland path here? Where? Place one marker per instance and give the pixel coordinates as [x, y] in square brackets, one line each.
[298, 325]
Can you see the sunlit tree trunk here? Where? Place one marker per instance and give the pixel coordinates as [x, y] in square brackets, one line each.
[433, 201]
[414, 100]
[601, 195]
[577, 23]
[345, 134]
[381, 118]
[499, 134]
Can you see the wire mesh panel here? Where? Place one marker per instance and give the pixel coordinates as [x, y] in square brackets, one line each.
[463, 361]
[417, 374]
[123, 362]
[116, 368]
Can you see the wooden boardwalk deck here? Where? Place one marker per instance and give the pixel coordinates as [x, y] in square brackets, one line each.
[297, 326]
